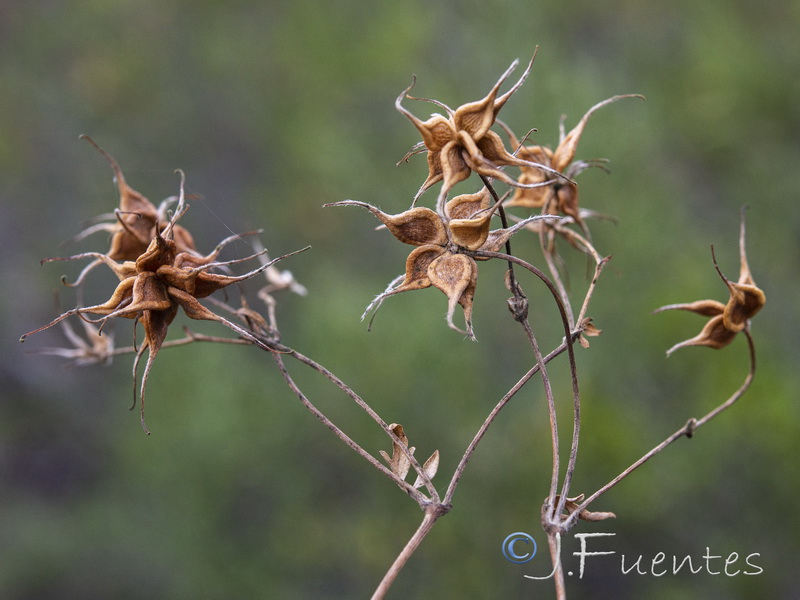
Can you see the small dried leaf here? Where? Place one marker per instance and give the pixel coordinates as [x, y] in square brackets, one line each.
[430, 468]
[565, 153]
[398, 462]
[588, 330]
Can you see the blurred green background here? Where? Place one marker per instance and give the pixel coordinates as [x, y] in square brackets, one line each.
[274, 108]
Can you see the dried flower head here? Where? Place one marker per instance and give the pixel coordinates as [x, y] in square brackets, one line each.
[135, 222]
[745, 300]
[446, 248]
[555, 195]
[462, 142]
[156, 284]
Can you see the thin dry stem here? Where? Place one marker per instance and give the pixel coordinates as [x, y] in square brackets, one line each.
[555, 511]
[687, 430]
[448, 497]
[432, 514]
[341, 434]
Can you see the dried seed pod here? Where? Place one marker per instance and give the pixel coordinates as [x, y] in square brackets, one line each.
[154, 286]
[745, 300]
[462, 141]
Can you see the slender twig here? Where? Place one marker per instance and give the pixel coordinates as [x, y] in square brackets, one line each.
[551, 407]
[555, 511]
[687, 430]
[448, 497]
[410, 490]
[434, 495]
[432, 514]
[554, 542]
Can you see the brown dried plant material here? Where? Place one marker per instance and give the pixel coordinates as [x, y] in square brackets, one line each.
[135, 224]
[572, 504]
[154, 286]
[446, 248]
[745, 300]
[93, 348]
[461, 142]
[400, 464]
[556, 195]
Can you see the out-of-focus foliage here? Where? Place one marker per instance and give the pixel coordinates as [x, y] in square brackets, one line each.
[274, 108]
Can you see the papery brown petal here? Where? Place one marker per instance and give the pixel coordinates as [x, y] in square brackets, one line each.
[417, 265]
[417, 226]
[530, 197]
[488, 154]
[466, 206]
[497, 238]
[160, 252]
[492, 148]
[588, 329]
[122, 296]
[184, 242]
[456, 275]
[565, 153]
[470, 233]
[714, 335]
[744, 303]
[745, 277]
[454, 169]
[137, 215]
[148, 294]
[475, 118]
[156, 323]
[503, 98]
[746, 298]
[191, 306]
[128, 241]
[536, 154]
[708, 308]
[435, 132]
[567, 200]
[206, 283]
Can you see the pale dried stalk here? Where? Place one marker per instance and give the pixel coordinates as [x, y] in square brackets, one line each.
[448, 497]
[432, 514]
[687, 430]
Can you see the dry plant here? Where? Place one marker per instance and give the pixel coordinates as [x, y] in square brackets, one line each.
[160, 271]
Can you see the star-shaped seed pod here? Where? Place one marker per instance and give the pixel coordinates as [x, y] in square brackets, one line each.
[153, 287]
[447, 248]
[135, 222]
[745, 300]
[556, 195]
[461, 142]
